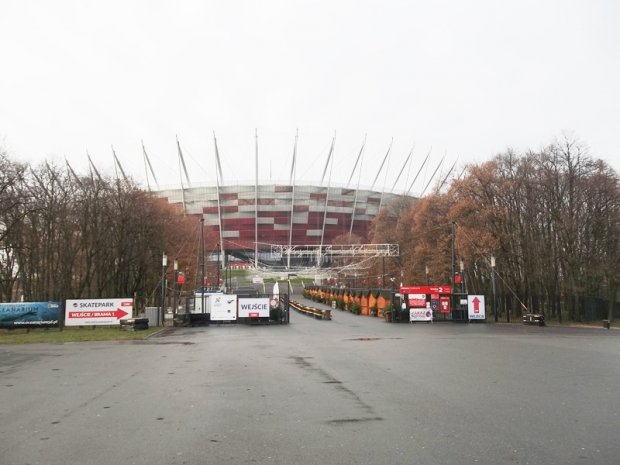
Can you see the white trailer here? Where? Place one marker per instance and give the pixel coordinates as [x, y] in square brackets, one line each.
[202, 302]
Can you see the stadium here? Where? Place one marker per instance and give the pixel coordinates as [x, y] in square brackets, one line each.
[290, 225]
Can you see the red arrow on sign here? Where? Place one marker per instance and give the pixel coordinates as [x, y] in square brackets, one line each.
[99, 314]
[476, 302]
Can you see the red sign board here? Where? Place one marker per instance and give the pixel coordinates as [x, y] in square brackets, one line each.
[426, 290]
[444, 304]
[417, 300]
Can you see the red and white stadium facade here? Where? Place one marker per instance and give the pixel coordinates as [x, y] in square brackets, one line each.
[250, 219]
[285, 215]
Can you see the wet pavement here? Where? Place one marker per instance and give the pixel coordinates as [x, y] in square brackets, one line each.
[354, 390]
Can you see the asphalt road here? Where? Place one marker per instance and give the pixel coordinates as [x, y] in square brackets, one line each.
[354, 390]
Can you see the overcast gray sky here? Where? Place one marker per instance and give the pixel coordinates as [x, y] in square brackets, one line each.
[462, 79]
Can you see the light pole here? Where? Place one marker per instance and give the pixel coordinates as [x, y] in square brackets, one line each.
[219, 252]
[164, 263]
[493, 284]
[174, 287]
[463, 287]
[453, 295]
[383, 275]
[426, 273]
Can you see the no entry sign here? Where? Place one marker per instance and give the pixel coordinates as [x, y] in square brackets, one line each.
[89, 312]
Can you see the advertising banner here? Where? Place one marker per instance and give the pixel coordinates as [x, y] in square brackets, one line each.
[420, 314]
[426, 289]
[29, 314]
[223, 307]
[476, 307]
[417, 300]
[254, 308]
[92, 312]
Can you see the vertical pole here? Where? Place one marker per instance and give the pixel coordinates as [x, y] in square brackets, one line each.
[218, 265]
[493, 284]
[202, 264]
[256, 200]
[383, 274]
[452, 296]
[164, 263]
[225, 268]
[174, 287]
[292, 182]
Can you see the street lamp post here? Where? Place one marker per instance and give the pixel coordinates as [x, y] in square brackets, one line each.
[383, 275]
[219, 252]
[164, 263]
[426, 273]
[493, 284]
[462, 268]
[174, 286]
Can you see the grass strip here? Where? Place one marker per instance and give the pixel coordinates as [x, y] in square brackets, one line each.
[79, 334]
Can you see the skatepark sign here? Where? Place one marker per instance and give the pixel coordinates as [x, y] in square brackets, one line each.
[92, 312]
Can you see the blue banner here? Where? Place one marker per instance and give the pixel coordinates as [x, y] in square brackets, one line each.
[29, 314]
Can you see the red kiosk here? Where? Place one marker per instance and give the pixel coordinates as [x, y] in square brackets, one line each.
[426, 303]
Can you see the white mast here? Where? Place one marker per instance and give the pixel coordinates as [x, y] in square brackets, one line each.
[329, 182]
[357, 161]
[148, 166]
[292, 183]
[70, 168]
[403, 168]
[446, 177]
[433, 176]
[93, 167]
[419, 170]
[360, 158]
[256, 199]
[219, 207]
[117, 165]
[181, 165]
[387, 170]
[381, 167]
[329, 157]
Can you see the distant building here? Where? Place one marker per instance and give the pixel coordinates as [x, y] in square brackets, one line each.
[252, 218]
